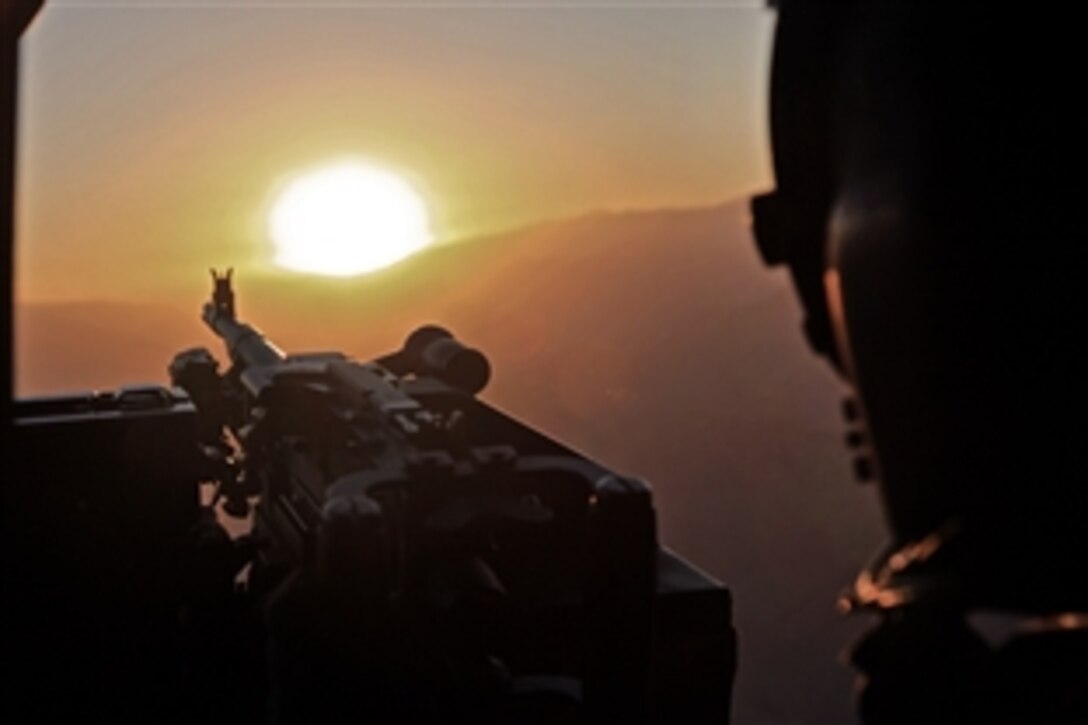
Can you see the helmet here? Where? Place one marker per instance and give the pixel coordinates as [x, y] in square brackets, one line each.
[921, 159]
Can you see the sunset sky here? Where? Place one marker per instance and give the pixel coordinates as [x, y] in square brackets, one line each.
[155, 134]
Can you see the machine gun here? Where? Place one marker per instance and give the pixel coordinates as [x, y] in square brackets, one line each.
[415, 554]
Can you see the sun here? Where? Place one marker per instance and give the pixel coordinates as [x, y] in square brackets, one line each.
[347, 219]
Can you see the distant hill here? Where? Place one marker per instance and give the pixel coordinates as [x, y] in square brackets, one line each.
[653, 340]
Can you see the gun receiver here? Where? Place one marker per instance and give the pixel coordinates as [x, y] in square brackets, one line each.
[439, 555]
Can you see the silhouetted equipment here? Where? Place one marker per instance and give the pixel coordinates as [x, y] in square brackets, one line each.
[415, 554]
[929, 165]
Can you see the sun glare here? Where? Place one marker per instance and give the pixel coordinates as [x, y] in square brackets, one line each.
[347, 219]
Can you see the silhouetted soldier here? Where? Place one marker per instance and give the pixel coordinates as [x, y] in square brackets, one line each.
[928, 163]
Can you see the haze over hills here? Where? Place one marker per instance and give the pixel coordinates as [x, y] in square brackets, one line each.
[652, 340]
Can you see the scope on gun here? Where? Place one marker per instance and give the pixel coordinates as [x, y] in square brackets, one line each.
[433, 351]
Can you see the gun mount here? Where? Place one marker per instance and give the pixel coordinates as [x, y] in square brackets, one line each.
[415, 554]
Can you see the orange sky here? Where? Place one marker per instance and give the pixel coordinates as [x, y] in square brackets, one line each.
[153, 136]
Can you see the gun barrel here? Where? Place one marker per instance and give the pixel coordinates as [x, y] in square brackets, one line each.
[247, 346]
